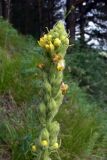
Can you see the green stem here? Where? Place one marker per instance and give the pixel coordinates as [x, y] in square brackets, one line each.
[45, 155]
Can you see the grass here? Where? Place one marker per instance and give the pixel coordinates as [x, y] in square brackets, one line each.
[18, 60]
[18, 132]
[82, 127]
[83, 121]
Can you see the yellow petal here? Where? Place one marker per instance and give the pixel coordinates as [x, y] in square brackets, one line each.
[34, 148]
[44, 143]
[56, 145]
[51, 47]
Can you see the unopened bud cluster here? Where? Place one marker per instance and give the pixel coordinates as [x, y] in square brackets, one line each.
[54, 44]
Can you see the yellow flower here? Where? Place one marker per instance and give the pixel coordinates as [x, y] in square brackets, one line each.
[56, 145]
[57, 42]
[64, 88]
[44, 143]
[34, 148]
[47, 47]
[51, 47]
[45, 37]
[61, 65]
[41, 42]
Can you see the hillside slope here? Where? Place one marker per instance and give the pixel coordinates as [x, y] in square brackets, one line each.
[83, 122]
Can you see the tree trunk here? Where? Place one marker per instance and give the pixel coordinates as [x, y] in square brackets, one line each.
[0, 8]
[71, 19]
[82, 25]
[6, 8]
[59, 8]
[40, 9]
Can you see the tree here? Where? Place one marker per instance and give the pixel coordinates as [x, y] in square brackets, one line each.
[0, 8]
[51, 12]
[91, 19]
[71, 19]
[85, 19]
[5, 9]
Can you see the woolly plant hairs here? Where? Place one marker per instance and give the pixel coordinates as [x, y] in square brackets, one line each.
[54, 44]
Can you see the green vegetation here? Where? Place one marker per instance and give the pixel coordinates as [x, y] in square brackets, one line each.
[18, 60]
[83, 121]
[83, 127]
[89, 69]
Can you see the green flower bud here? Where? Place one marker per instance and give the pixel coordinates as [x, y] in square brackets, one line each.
[52, 105]
[56, 79]
[60, 26]
[44, 135]
[56, 34]
[47, 86]
[57, 42]
[53, 128]
[42, 108]
[55, 145]
[46, 98]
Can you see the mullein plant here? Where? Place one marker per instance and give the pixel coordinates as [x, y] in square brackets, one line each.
[54, 45]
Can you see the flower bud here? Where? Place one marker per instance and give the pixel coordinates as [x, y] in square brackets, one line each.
[47, 47]
[52, 105]
[49, 37]
[63, 38]
[45, 37]
[55, 146]
[54, 128]
[47, 86]
[44, 135]
[41, 42]
[51, 47]
[33, 148]
[44, 143]
[57, 42]
[61, 65]
[41, 65]
[64, 88]
[67, 41]
[56, 34]
[42, 108]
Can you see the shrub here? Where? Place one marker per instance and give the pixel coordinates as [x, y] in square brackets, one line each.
[88, 69]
